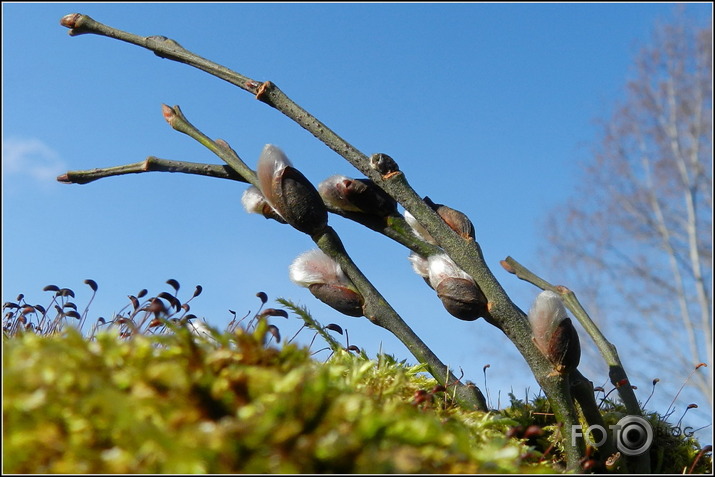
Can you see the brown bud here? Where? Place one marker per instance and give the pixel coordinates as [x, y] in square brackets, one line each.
[70, 20]
[169, 113]
[554, 333]
[455, 219]
[384, 164]
[290, 193]
[506, 266]
[462, 298]
[459, 294]
[327, 282]
[356, 195]
[564, 347]
[343, 299]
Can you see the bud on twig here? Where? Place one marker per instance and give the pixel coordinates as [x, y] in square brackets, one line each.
[327, 282]
[460, 296]
[356, 195]
[384, 164]
[420, 266]
[417, 228]
[169, 114]
[554, 334]
[255, 203]
[290, 193]
[455, 219]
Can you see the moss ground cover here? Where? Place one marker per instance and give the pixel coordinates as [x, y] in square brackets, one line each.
[239, 402]
[178, 403]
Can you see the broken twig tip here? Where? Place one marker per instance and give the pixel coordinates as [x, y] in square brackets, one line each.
[506, 266]
[262, 89]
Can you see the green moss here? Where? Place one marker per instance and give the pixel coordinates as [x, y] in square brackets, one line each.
[181, 404]
[178, 403]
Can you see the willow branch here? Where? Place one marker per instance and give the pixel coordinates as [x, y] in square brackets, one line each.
[608, 350]
[377, 309]
[178, 122]
[161, 46]
[381, 313]
[582, 390]
[394, 227]
[617, 373]
[152, 164]
[466, 254]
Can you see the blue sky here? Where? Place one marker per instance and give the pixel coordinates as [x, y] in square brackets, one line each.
[488, 108]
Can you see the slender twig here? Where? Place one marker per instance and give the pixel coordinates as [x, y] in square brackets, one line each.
[161, 46]
[392, 226]
[176, 119]
[152, 164]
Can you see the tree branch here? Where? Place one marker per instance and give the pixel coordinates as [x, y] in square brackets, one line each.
[617, 373]
[381, 313]
[465, 253]
[377, 309]
[152, 164]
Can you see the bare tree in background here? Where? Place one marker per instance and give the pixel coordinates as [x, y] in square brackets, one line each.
[638, 236]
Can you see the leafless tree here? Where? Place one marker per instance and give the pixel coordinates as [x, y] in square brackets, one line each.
[637, 237]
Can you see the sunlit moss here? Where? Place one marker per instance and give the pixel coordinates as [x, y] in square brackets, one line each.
[179, 403]
[182, 404]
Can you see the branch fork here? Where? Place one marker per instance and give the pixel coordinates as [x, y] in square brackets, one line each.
[384, 171]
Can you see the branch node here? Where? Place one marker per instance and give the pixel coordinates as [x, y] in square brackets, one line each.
[262, 89]
[385, 165]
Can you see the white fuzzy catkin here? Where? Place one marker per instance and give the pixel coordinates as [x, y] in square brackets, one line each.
[418, 230]
[316, 267]
[331, 193]
[271, 161]
[440, 266]
[545, 315]
[328, 185]
[274, 158]
[419, 265]
[253, 200]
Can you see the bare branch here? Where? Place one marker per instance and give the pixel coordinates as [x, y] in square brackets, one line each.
[152, 164]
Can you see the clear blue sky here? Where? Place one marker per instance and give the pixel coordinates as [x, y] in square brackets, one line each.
[487, 108]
